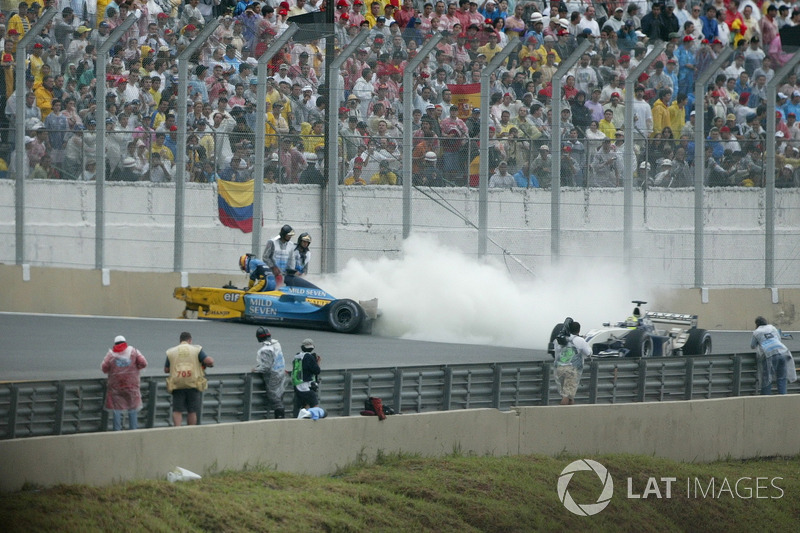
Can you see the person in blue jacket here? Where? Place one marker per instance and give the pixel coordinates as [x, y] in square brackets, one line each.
[261, 279]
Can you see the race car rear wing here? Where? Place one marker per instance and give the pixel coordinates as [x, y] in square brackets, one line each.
[674, 319]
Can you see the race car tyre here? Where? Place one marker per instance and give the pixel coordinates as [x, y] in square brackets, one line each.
[345, 316]
[639, 343]
[698, 343]
[553, 335]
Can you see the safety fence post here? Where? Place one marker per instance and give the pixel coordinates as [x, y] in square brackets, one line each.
[152, 399]
[103, 412]
[447, 392]
[180, 156]
[408, 144]
[347, 394]
[594, 374]
[483, 144]
[247, 397]
[628, 156]
[261, 133]
[497, 386]
[11, 431]
[641, 381]
[100, 170]
[547, 370]
[737, 375]
[19, 136]
[567, 63]
[769, 185]
[330, 206]
[699, 174]
[58, 423]
[689, 385]
[398, 386]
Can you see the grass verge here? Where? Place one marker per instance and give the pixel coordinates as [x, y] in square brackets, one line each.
[456, 493]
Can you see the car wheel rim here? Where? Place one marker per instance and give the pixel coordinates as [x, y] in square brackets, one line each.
[344, 316]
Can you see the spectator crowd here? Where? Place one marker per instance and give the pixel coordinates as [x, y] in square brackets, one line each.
[142, 86]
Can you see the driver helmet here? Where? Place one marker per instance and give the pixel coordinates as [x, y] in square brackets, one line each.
[304, 237]
[243, 260]
[635, 319]
[263, 334]
[287, 231]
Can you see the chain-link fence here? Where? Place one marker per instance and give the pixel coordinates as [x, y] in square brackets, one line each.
[141, 154]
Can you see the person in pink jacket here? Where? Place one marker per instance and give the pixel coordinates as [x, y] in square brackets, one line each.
[123, 363]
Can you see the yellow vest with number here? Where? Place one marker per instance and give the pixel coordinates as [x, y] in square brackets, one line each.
[185, 370]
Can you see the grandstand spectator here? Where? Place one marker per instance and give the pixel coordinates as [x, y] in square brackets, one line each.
[491, 48]
[677, 113]
[501, 178]
[758, 92]
[659, 80]
[606, 126]
[454, 163]
[753, 55]
[541, 167]
[594, 106]
[144, 104]
[765, 69]
[429, 174]
[783, 18]
[686, 65]
[604, 166]
[585, 76]
[19, 22]
[660, 112]
[384, 176]
[768, 25]
[77, 47]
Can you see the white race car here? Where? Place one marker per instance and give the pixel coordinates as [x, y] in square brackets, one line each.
[653, 334]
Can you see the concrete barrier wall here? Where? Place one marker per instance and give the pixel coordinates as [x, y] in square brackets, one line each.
[74, 291]
[733, 308]
[139, 233]
[149, 295]
[703, 430]
[693, 431]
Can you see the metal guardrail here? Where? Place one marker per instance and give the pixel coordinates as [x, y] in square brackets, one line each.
[38, 408]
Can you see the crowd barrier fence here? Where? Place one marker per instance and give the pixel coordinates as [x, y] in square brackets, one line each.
[38, 408]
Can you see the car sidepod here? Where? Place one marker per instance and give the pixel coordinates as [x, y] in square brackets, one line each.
[266, 307]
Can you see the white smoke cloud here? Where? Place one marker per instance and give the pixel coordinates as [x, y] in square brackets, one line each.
[436, 293]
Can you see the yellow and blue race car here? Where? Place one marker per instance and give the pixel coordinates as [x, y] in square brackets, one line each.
[288, 305]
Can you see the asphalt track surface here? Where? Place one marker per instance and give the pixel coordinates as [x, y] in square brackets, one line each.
[56, 347]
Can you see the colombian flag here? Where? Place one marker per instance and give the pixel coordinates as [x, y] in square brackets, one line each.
[466, 97]
[235, 201]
